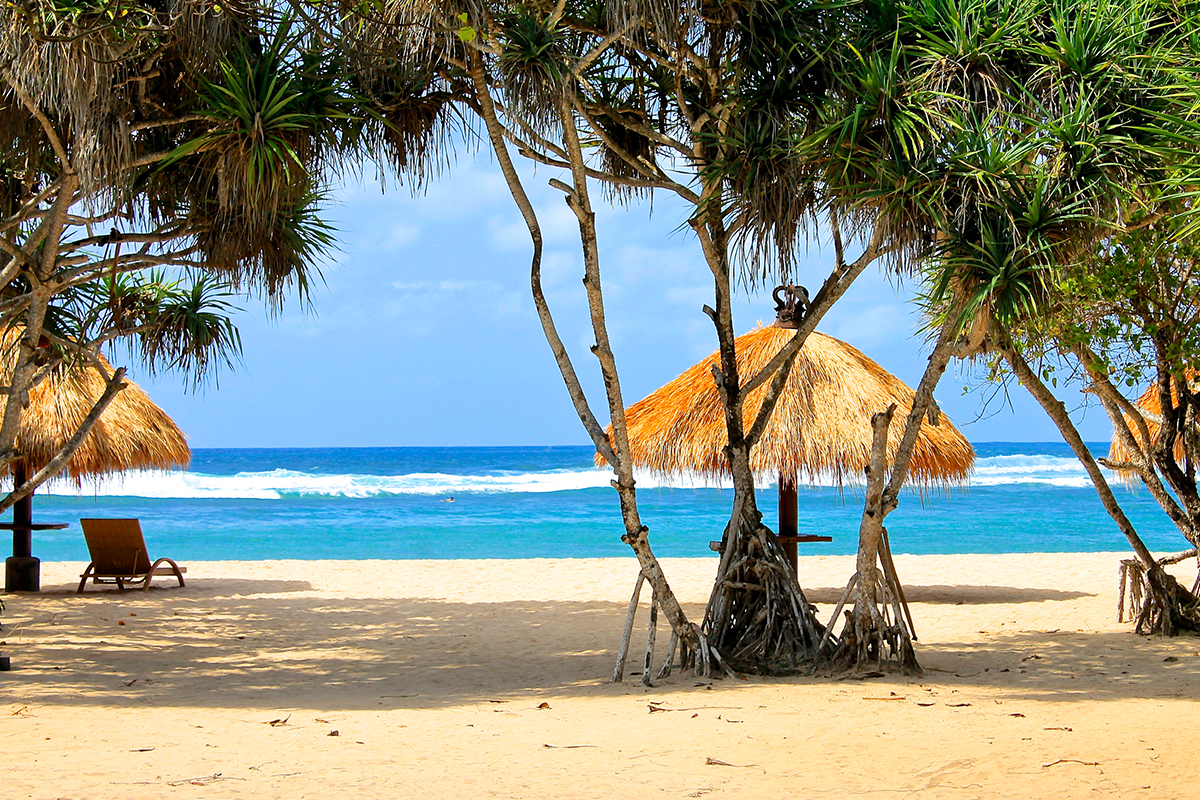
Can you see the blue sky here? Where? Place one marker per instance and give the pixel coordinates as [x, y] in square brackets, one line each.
[424, 332]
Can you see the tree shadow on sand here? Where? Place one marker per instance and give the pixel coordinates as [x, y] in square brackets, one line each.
[227, 645]
[959, 595]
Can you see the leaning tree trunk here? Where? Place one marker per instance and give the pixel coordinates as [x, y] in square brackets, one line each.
[616, 453]
[1169, 608]
[876, 632]
[757, 615]
[879, 631]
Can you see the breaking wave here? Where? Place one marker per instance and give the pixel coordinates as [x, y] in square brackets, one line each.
[281, 483]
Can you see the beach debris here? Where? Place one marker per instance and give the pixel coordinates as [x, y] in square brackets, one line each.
[958, 705]
[891, 696]
[275, 723]
[567, 746]
[204, 780]
[1072, 761]
[129, 683]
[543, 705]
[1170, 659]
[1016, 714]
[333, 733]
[1056, 729]
[318, 719]
[716, 762]
[142, 750]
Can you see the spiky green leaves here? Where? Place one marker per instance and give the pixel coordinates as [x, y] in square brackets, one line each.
[534, 66]
[273, 117]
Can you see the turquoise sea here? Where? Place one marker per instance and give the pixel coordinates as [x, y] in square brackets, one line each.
[528, 502]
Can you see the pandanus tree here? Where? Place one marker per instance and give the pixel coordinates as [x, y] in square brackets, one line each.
[999, 140]
[154, 160]
[427, 69]
[1124, 317]
[1098, 123]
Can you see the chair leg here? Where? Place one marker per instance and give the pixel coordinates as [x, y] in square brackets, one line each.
[86, 574]
[153, 569]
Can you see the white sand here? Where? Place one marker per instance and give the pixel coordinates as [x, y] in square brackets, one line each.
[432, 673]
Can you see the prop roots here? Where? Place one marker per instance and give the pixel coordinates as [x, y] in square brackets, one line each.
[1155, 600]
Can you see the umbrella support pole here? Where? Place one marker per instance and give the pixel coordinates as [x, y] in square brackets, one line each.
[22, 572]
[789, 513]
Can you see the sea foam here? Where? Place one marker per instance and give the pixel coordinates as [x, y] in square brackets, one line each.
[281, 483]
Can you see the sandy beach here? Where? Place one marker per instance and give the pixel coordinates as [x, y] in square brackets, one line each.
[452, 679]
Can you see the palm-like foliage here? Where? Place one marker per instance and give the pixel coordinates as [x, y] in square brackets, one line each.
[152, 159]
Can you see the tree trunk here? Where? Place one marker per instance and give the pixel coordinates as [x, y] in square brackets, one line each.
[870, 640]
[1170, 608]
[757, 616]
[876, 632]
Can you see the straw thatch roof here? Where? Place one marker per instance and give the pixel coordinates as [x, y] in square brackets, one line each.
[1148, 402]
[132, 433]
[821, 425]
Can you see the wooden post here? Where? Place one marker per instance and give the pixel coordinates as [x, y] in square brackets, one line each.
[22, 572]
[789, 505]
[22, 515]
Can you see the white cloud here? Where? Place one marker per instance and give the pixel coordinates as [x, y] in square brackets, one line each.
[401, 236]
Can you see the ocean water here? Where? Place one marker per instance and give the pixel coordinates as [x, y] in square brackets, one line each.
[528, 502]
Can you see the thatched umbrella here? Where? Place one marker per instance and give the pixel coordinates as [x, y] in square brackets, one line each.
[1151, 406]
[132, 433]
[821, 425]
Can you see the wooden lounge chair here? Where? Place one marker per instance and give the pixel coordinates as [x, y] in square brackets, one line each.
[119, 555]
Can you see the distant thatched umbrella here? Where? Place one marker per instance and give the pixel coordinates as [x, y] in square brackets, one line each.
[132, 433]
[1150, 404]
[821, 425]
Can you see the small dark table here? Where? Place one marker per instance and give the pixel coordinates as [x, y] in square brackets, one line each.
[23, 572]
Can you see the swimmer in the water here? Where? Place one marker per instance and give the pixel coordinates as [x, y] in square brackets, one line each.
[448, 500]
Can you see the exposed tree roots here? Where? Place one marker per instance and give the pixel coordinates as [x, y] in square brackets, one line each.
[877, 635]
[1155, 600]
[758, 617]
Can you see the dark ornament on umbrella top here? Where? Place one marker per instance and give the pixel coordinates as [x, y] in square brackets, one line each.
[790, 310]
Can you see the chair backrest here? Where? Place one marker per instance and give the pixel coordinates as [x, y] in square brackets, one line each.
[117, 546]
